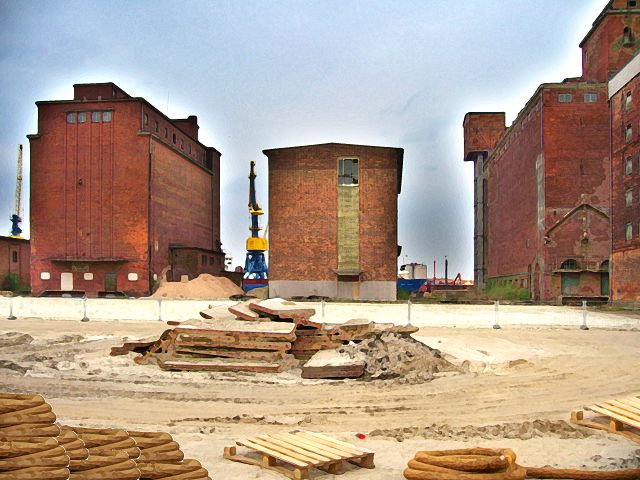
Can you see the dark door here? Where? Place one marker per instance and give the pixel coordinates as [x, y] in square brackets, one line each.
[570, 283]
[604, 284]
[110, 282]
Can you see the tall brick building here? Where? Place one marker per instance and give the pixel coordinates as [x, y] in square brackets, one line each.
[120, 194]
[333, 220]
[624, 96]
[542, 186]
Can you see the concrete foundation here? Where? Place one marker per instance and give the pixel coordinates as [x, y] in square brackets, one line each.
[376, 290]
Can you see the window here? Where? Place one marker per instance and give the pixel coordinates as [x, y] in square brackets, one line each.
[581, 168]
[348, 171]
[590, 97]
[174, 138]
[157, 126]
[189, 148]
[629, 232]
[211, 261]
[166, 132]
[82, 117]
[71, 117]
[106, 117]
[632, 3]
[95, 117]
[627, 36]
[628, 198]
[629, 133]
[570, 264]
[565, 97]
[146, 119]
[628, 168]
[182, 144]
[14, 256]
[204, 260]
[628, 102]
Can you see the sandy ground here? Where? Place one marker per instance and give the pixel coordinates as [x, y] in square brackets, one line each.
[519, 391]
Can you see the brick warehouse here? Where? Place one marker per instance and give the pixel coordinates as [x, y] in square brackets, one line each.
[120, 195]
[624, 93]
[333, 220]
[542, 196]
[14, 263]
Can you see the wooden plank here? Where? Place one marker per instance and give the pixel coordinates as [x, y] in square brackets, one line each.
[325, 450]
[333, 442]
[624, 406]
[620, 411]
[297, 453]
[239, 326]
[260, 355]
[296, 474]
[631, 401]
[334, 371]
[614, 415]
[282, 309]
[219, 366]
[296, 448]
[229, 342]
[280, 456]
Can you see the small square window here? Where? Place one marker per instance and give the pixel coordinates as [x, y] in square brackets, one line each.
[629, 232]
[628, 168]
[628, 198]
[88, 276]
[106, 117]
[565, 98]
[71, 117]
[82, 117]
[45, 276]
[95, 117]
[146, 119]
[132, 277]
[590, 97]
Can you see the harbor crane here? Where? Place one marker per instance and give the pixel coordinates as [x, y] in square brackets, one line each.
[255, 268]
[16, 218]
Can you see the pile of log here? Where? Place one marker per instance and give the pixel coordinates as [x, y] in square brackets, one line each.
[33, 447]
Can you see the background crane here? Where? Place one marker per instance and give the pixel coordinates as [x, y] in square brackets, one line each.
[255, 267]
[16, 218]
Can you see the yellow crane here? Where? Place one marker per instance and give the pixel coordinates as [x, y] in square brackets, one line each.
[16, 218]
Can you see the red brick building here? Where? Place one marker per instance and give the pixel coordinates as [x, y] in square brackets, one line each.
[14, 263]
[119, 193]
[624, 94]
[543, 184]
[333, 220]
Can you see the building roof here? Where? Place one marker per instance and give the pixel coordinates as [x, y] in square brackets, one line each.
[625, 75]
[607, 10]
[399, 153]
[10, 238]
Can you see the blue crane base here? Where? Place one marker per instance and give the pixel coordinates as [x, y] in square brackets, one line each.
[255, 268]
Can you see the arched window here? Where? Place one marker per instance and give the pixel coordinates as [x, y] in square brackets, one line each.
[627, 36]
[604, 266]
[569, 264]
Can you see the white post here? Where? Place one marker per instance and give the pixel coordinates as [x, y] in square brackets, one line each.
[584, 316]
[496, 325]
[84, 306]
[323, 309]
[409, 311]
[11, 315]
[160, 309]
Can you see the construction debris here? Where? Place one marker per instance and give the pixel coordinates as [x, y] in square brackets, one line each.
[333, 364]
[32, 447]
[295, 454]
[620, 416]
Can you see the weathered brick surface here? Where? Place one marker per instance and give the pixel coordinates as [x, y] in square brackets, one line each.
[482, 131]
[625, 281]
[20, 267]
[303, 219]
[96, 207]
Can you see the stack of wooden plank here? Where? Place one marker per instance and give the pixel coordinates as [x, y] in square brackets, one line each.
[28, 446]
[161, 458]
[620, 416]
[226, 345]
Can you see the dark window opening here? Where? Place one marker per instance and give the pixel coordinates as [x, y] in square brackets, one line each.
[174, 138]
[157, 126]
[627, 36]
[632, 3]
[14, 257]
[581, 168]
[204, 260]
[348, 173]
[604, 266]
[166, 132]
[629, 133]
[570, 264]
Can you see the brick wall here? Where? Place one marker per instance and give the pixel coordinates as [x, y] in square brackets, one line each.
[482, 131]
[18, 265]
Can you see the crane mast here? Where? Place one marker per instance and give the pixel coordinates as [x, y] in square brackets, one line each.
[255, 267]
[16, 218]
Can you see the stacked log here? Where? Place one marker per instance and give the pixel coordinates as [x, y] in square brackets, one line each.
[29, 449]
[161, 458]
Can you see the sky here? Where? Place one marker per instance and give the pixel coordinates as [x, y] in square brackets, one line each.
[278, 73]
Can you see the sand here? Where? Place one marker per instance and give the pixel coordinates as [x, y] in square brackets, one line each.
[204, 287]
[516, 391]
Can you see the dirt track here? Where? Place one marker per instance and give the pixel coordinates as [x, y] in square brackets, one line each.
[520, 388]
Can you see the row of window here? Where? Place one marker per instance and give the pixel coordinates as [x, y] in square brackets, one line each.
[587, 97]
[211, 259]
[166, 134]
[629, 231]
[96, 117]
[132, 277]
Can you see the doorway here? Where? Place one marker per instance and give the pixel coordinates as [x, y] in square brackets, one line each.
[110, 282]
[66, 281]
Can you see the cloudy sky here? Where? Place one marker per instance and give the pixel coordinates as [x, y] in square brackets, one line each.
[266, 74]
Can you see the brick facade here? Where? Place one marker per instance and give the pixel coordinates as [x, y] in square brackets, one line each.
[14, 263]
[624, 92]
[110, 193]
[543, 209]
[304, 220]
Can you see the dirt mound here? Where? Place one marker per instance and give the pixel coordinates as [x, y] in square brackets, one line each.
[204, 287]
[390, 355]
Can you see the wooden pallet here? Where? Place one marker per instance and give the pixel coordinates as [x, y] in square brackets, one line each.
[620, 416]
[294, 454]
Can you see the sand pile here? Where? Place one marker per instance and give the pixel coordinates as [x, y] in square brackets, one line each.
[204, 287]
[390, 355]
